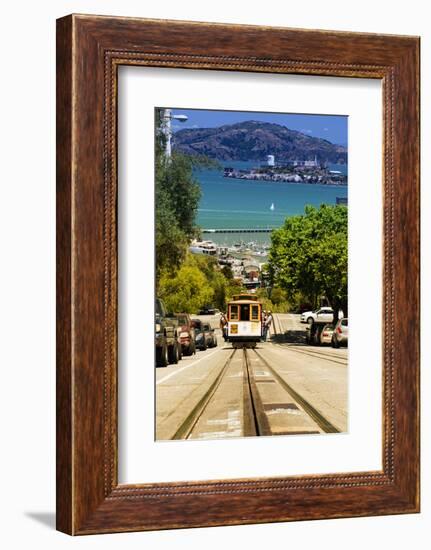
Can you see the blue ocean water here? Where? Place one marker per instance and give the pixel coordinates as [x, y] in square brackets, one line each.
[233, 203]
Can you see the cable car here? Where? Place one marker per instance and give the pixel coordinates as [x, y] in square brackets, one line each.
[244, 321]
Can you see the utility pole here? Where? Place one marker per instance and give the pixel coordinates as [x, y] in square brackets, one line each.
[167, 117]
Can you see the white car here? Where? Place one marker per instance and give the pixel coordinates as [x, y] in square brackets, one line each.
[326, 336]
[323, 314]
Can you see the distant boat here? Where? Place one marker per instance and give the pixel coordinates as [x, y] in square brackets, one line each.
[203, 247]
[272, 207]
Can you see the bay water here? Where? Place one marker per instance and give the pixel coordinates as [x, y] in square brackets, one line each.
[234, 203]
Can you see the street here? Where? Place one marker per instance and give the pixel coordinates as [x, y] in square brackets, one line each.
[282, 387]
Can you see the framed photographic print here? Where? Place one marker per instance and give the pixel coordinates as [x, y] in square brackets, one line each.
[237, 275]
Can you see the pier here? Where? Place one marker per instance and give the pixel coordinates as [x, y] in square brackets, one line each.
[247, 230]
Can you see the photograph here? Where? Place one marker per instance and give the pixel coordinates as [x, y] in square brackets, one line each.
[251, 274]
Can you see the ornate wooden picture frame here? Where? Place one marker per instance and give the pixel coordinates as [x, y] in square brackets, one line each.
[89, 51]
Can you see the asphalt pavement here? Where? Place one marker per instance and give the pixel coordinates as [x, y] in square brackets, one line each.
[285, 387]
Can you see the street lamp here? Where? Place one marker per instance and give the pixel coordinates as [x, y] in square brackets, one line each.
[167, 117]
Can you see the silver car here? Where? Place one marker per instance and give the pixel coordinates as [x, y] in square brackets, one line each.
[340, 336]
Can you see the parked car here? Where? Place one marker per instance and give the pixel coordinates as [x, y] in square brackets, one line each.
[323, 314]
[326, 335]
[340, 335]
[318, 334]
[207, 311]
[168, 347]
[203, 337]
[186, 333]
[212, 340]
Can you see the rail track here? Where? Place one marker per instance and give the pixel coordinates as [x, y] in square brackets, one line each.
[249, 398]
[277, 322]
[319, 354]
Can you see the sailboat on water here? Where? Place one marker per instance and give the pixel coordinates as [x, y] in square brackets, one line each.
[272, 207]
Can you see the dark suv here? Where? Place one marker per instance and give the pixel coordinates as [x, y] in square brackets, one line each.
[212, 337]
[201, 337]
[204, 335]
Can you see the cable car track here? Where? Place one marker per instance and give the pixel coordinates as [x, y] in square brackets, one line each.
[324, 424]
[260, 419]
[265, 404]
[319, 355]
[189, 423]
[276, 319]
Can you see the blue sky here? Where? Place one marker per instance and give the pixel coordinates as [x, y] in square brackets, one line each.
[330, 127]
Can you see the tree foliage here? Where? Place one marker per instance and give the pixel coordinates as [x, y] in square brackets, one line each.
[273, 299]
[177, 199]
[277, 296]
[308, 255]
[227, 272]
[197, 283]
[187, 291]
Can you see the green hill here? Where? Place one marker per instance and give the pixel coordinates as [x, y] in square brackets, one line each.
[254, 140]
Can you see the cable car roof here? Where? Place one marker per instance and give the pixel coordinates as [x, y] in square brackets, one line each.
[244, 302]
[244, 297]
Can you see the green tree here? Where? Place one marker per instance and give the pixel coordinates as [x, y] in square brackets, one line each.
[197, 283]
[177, 200]
[214, 277]
[171, 242]
[187, 291]
[277, 296]
[175, 177]
[177, 196]
[234, 287]
[308, 255]
[273, 300]
[220, 287]
[227, 272]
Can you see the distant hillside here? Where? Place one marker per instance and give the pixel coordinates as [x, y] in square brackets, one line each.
[253, 140]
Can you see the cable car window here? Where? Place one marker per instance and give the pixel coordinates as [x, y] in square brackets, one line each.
[234, 313]
[255, 313]
[245, 312]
